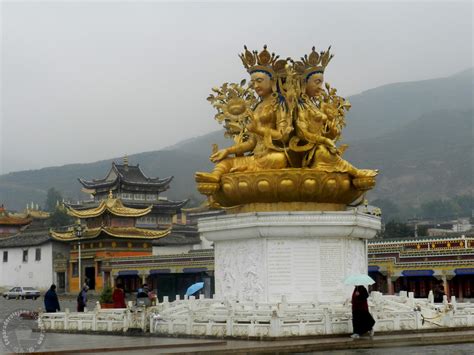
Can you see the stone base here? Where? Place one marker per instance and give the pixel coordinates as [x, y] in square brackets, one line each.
[302, 256]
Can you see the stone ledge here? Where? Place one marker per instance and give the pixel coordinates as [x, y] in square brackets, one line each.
[351, 224]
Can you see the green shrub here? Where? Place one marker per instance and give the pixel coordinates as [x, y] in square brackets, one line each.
[106, 295]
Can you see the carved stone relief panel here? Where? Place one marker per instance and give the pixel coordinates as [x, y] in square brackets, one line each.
[240, 269]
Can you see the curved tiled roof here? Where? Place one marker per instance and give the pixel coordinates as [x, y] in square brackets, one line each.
[118, 232]
[129, 174]
[16, 221]
[113, 206]
[181, 234]
[26, 238]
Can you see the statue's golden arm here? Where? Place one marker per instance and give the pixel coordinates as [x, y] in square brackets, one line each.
[243, 147]
[314, 138]
[237, 149]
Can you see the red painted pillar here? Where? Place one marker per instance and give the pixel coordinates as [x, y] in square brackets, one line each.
[460, 290]
[390, 290]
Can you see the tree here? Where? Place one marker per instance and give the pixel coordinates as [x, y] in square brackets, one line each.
[396, 229]
[440, 209]
[52, 198]
[60, 218]
[390, 210]
[194, 201]
[465, 204]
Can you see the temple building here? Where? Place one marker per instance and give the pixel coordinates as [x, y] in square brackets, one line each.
[29, 254]
[135, 189]
[126, 219]
[14, 223]
[421, 264]
[10, 225]
[169, 275]
[110, 230]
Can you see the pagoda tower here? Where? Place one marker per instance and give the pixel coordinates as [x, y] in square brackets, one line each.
[136, 190]
[109, 230]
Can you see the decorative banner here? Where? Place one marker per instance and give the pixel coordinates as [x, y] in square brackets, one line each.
[464, 271]
[418, 273]
[190, 270]
[160, 271]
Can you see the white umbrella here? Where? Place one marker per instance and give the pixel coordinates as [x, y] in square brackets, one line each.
[359, 279]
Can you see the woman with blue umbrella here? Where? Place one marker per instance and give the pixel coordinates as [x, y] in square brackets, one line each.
[194, 288]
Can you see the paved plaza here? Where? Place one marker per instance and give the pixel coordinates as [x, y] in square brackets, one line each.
[410, 343]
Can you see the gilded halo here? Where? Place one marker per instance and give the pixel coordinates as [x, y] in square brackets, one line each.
[234, 104]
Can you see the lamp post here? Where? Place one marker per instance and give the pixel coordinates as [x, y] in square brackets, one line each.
[78, 232]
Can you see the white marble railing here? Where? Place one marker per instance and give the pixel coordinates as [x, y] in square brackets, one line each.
[100, 320]
[212, 317]
[218, 318]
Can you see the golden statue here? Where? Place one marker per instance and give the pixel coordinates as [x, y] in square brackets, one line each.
[259, 124]
[285, 155]
[320, 119]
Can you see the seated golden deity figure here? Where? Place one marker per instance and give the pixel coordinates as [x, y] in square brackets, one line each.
[285, 127]
[320, 119]
[268, 126]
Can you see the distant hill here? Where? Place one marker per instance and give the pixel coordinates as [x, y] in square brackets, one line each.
[418, 134]
[378, 111]
[429, 158]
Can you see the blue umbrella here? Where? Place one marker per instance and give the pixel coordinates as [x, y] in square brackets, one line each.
[194, 288]
[359, 279]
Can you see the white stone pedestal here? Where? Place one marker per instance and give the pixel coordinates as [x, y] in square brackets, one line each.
[304, 256]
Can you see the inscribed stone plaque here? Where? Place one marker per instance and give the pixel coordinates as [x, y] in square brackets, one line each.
[332, 263]
[292, 268]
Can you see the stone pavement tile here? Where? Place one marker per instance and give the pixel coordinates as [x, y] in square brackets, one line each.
[66, 343]
[149, 345]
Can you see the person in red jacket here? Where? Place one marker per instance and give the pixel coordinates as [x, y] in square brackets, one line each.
[362, 321]
[119, 297]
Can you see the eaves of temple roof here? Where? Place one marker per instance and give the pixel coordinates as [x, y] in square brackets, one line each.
[181, 234]
[111, 205]
[26, 239]
[14, 221]
[160, 204]
[128, 174]
[117, 232]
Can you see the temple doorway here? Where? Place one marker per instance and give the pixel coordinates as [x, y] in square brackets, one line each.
[61, 281]
[90, 277]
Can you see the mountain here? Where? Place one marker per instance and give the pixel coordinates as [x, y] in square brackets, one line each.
[429, 158]
[19, 188]
[383, 109]
[418, 134]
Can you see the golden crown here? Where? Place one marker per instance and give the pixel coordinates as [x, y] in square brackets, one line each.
[313, 63]
[263, 61]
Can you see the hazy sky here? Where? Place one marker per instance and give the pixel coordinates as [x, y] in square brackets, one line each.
[85, 81]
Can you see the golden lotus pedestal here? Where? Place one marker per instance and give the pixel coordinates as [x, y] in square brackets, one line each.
[286, 190]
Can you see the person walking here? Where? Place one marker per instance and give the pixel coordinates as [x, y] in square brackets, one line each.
[82, 299]
[362, 320]
[51, 302]
[143, 296]
[438, 293]
[119, 297]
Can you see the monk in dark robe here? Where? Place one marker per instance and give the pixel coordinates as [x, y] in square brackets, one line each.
[362, 321]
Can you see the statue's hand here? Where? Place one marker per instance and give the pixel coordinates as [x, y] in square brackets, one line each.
[255, 127]
[219, 155]
[329, 143]
[286, 131]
